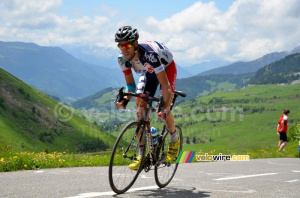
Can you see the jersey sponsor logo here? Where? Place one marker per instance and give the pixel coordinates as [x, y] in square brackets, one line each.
[151, 58]
[121, 60]
[148, 67]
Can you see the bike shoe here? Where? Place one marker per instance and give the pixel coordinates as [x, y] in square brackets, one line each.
[172, 150]
[135, 164]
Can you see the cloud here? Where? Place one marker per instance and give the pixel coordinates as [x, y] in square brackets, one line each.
[247, 30]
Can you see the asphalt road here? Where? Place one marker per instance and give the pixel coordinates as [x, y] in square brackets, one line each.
[254, 178]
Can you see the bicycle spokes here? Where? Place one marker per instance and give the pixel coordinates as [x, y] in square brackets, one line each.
[165, 171]
[125, 152]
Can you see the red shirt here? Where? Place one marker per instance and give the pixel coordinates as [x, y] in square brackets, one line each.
[283, 118]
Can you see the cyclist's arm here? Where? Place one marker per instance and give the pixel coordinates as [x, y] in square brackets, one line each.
[129, 82]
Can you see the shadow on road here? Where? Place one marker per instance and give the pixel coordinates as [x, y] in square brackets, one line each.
[169, 192]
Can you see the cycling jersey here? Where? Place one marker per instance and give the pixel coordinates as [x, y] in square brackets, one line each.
[153, 57]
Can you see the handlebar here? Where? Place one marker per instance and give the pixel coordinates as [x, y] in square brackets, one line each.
[147, 98]
[121, 95]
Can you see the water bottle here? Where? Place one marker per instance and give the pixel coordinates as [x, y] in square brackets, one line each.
[154, 135]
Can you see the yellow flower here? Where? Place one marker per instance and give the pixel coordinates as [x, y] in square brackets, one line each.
[25, 165]
[2, 159]
[15, 157]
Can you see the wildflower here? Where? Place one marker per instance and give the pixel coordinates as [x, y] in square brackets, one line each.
[25, 165]
[2, 159]
[15, 157]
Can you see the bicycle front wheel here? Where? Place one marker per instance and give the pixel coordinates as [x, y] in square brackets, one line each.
[165, 171]
[125, 151]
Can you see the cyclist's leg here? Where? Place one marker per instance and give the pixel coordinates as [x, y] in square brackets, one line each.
[171, 72]
[147, 85]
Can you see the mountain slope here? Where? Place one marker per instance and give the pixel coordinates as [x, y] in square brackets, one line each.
[32, 121]
[283, 71]
[198, 85]
[247, 67]
[54, 71]
[93, 100]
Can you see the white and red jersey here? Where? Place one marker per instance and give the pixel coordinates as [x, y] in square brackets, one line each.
[153, 57]
[283, 119]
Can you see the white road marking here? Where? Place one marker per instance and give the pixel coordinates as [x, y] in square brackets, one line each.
[145, 177]
[245, 176]
[291, 181]
[230, 191]
[97, 194]
[295, 171]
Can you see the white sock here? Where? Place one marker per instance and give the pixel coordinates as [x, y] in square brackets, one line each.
[174, 136]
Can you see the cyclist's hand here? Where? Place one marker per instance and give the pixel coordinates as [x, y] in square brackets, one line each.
[163, 113]
[122, 104]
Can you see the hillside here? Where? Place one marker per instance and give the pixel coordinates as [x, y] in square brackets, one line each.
[54, 71]
[247, 67]
[242, 120]
[107, 57]
[285, 70]
[32, 121]
[95, 100]
[201, 85]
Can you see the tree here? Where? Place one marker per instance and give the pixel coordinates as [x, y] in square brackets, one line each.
[194, 140]
[188, 140]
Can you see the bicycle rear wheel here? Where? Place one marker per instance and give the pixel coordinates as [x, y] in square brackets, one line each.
[125, 151]
[163, 171]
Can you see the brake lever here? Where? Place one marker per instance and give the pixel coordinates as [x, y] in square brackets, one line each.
[120, 95]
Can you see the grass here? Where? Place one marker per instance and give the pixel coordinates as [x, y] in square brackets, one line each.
[32, 161]
[251, 131]
[250, 123]
[32, 121]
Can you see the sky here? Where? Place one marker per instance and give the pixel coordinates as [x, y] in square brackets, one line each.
[195, 31]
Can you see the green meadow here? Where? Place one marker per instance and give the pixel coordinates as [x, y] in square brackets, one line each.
[242, 122]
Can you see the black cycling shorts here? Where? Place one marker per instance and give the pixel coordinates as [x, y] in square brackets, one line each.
[283, 136]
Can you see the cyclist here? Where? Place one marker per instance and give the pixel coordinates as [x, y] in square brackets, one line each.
[155, 63]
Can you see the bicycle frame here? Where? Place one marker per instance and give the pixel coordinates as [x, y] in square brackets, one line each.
[121, 176]
[145, 122]
[145, 125]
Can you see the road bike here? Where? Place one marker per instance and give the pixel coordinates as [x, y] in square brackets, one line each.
[137, 134]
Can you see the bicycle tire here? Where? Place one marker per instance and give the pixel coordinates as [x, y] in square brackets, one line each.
[118, 166]
[164, 172]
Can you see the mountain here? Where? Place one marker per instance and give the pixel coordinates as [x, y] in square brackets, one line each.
[247, 67]
[56, 72]
[202, 85]
[252, 66]
[192, 86]
[285, 70]
[201, 67]
[93, 100]
[32, 121]
[182, 72]
[108, 57]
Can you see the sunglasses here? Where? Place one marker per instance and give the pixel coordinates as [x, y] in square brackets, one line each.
[125, 46]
